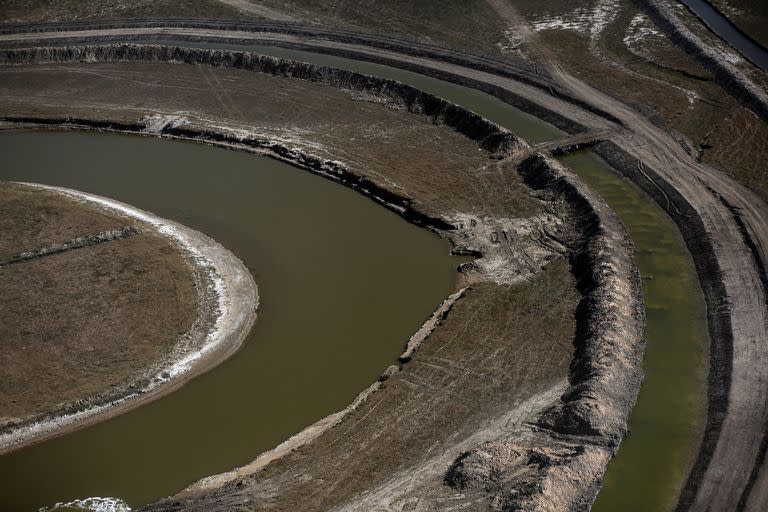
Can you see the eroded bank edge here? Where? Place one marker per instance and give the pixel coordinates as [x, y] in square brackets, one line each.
[516, 100]
[700, 245]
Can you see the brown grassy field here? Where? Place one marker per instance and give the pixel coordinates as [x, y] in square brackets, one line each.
[82, 322]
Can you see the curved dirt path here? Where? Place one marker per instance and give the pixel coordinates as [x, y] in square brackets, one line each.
[737, 220]
[734, 217]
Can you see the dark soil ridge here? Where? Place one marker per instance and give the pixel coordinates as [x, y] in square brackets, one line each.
[75, 243]
[562, 466]
[488, 135]
[606, 371]
[727, 75]
[518, 69]
[700, 245]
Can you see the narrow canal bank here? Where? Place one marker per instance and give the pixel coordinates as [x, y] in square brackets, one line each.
[729, 32]
[321, 337]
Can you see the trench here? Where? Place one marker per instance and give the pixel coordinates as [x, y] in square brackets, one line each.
[648, 471]
[316, 250]
[667, 422]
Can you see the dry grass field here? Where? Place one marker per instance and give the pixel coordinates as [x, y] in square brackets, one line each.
[84, 322]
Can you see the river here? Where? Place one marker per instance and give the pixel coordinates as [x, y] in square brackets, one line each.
[343, 284]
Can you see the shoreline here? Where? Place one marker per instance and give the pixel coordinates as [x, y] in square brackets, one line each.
[228, 300]
[592, 413]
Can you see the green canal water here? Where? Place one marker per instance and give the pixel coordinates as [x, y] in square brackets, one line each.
[666, 423]
[521, 123]
[343, 284]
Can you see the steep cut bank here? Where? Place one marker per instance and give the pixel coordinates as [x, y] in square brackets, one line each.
[248, 33]
[577, 435]
[489, 136]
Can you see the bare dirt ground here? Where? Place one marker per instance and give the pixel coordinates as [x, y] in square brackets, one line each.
[72, 10]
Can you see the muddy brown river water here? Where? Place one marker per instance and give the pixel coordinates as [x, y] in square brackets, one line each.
[343, 284]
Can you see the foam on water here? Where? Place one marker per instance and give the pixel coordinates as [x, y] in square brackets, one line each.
[93, 504]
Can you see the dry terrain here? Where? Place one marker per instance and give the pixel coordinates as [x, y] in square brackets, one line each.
[74, 10]
[85, 321]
